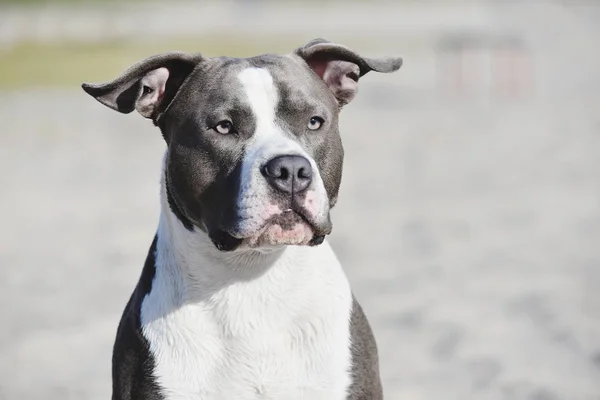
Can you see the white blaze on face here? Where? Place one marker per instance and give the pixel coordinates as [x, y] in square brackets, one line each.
[268, 141]
[262, 96]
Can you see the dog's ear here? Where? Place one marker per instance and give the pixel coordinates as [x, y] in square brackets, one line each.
[341, 67]
[148, 86]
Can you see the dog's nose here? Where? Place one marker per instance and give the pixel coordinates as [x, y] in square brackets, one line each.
[289, 174]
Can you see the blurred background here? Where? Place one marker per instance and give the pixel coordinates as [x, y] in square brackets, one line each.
[469, 214]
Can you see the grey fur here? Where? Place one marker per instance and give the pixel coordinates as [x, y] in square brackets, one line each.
[322, 48]
[120, 94]
[366, 382]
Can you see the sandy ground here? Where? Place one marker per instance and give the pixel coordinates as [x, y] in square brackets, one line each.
[469, 226]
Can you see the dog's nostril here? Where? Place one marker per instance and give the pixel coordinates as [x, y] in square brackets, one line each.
[275, 171]
[284, 173]
[302, 174]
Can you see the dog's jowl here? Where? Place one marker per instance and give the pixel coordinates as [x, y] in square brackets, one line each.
[240, 296]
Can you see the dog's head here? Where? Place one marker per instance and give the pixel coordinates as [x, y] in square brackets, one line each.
[254, 154]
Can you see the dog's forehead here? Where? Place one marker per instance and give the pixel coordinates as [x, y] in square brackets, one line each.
[291, 77]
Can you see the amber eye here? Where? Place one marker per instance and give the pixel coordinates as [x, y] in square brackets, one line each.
[315, 123]
[224, 127]
[146, 90]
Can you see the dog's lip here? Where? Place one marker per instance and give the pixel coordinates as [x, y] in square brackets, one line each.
[224, 241]
[268, 222]
[318, 231]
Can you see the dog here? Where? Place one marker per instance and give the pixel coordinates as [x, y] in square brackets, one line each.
[240, 296]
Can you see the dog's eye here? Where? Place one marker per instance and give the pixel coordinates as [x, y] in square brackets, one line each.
[146, 90]
[315, 123]
[224, 127]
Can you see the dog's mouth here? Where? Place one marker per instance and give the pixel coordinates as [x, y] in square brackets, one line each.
[289, 227]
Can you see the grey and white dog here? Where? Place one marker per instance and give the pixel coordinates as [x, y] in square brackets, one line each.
[240, 296]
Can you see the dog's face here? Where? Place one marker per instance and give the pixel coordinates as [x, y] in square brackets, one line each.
[254, 153]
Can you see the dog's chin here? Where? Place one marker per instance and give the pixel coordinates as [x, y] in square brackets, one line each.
[281, 230]
[274, 234]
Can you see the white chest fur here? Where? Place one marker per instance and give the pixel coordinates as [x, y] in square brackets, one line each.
[277, 333]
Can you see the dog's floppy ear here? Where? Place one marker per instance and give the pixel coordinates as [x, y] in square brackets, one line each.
[148, 86]
[341, 67]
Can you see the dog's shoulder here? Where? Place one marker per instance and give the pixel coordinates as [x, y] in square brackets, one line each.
[366, 382]
[133, 363]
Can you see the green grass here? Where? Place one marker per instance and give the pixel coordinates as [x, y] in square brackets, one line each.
[67, 65]
[70, 64]
[45, 2]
